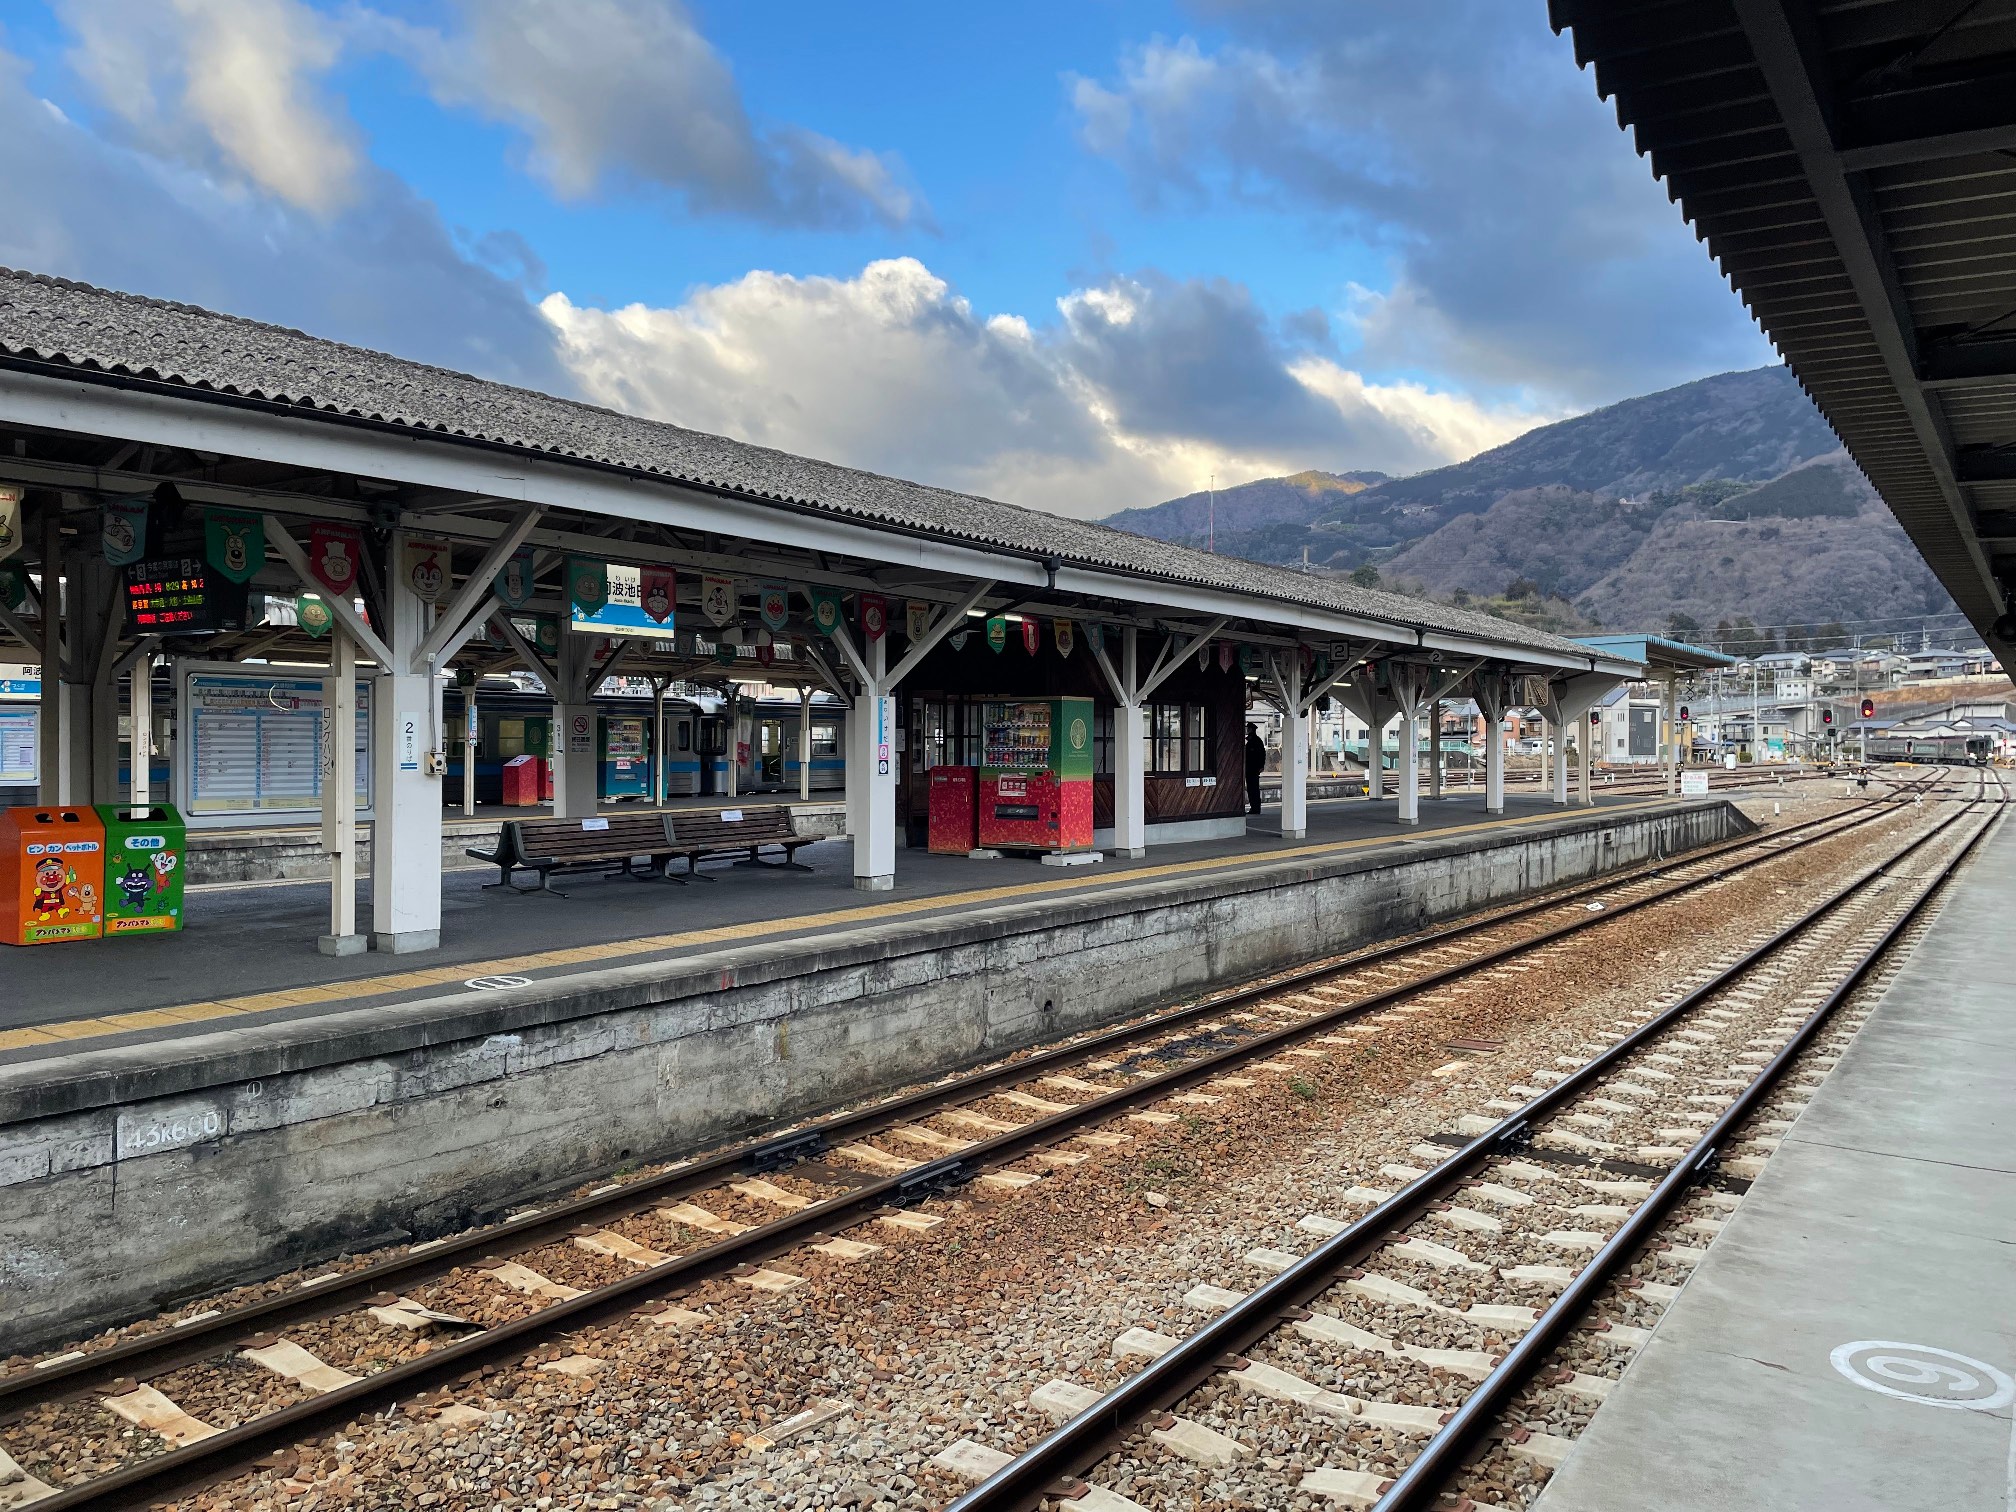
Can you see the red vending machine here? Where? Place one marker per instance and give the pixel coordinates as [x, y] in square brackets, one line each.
[953, 813]
[1036, 775]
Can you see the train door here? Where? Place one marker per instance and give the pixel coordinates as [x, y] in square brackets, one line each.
[713, 743]
[770, 752]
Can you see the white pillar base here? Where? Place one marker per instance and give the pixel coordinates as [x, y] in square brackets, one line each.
[399, 942]
[875, 884]
[349, 945]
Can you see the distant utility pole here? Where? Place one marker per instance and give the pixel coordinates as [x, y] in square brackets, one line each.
[1211, 519]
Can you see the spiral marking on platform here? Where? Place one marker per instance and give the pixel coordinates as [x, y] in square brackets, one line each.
[1923, 1373]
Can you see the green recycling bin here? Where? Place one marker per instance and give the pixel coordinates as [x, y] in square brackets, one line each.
[143, 867]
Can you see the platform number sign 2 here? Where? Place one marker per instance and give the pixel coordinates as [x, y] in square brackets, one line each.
[409, 742]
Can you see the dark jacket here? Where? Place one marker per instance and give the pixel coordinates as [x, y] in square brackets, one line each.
[1256, 753]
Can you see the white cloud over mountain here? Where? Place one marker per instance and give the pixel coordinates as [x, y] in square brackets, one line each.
[1137, 389]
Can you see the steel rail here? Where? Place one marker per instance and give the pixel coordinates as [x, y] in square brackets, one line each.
[1050, 1467]
[231, 1451]
[154, 1354]
[1417, 1485]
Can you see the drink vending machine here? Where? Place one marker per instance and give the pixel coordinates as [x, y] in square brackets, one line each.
[1036, 774]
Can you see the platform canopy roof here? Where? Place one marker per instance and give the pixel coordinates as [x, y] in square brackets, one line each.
[1851, 165]
[1658, 653]
[105, 393]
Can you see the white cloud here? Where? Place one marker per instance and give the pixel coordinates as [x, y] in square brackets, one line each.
[381, 273]
[628, 92]
[1140, 390]
[227, 85]
[1533, 251]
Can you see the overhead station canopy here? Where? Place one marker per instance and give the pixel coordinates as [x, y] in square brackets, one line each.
[1658, 653]
[241, 413]
[1851, 165]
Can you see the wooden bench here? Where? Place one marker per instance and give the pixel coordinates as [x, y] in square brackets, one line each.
[736, 832]
[564, 847]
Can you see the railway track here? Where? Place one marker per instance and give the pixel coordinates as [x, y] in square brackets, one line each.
[1493, 1184]
[800, 1188]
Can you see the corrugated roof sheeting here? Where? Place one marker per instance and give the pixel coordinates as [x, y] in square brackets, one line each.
[1851, 165]
[58, 322]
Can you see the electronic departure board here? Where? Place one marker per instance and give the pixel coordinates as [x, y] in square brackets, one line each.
[182, 596]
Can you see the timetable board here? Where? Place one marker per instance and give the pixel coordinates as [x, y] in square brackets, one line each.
[17, 744]
[250, 746]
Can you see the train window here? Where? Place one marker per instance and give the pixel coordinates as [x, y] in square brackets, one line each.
[825, 740]
[684, 738]
[510, 738]
[1102, 739]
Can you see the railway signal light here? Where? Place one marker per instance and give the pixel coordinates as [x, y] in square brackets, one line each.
[1826, 716]
[1868, 708]
[1684, 715]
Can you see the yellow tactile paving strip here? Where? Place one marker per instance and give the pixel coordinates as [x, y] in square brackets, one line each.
[618, 951]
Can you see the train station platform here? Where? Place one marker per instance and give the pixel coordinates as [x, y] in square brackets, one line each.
[1850, 1339]
[246, 954]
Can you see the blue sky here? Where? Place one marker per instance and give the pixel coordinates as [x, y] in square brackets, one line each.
[1080, 256]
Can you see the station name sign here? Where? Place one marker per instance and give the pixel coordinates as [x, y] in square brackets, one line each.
[183, 596]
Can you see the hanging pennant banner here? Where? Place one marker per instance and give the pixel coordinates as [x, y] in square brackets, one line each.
[333, 554]
[1032, 633]
[1066, 635]
[917, 620]
[122, 530]
[657, 592]
[234, 544]
[773, 605]
[1322, 666]
[1225, 656]
[958, 639]
[312, 615]
[997, 632]
[13, 588]
[1245, 661]
[1095, 635]
[513, 583]
[587, 584]
[10, 519]
[718, 599]
[873, 612]
[426, 565]
[766, 655]
[1203, 657]
[825, 610]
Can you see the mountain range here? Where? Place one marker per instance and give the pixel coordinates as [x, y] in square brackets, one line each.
[1725, 499]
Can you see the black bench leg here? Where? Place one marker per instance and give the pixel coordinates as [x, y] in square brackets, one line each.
[693, 869]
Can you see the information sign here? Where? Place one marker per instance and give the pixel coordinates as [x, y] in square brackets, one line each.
[625, 613]
[182, 596]
[255, 746]
[1693, 784]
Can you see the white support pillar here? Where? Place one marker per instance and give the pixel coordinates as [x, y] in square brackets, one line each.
[871, 775]
[140, 727]
[658, 733]
[338, 738]
[1559, 727]
[1494, 765]
[805, 743]
[1493, 697]
[1130, 779]
[734, 745]
[1588, 749]
[1435, 749]
[1671, 720]
[1410, 766]
[470, 725]
[575, 779]
[1294, 772]
[406, 782]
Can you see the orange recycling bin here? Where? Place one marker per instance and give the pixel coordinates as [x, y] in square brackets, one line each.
[52, 875]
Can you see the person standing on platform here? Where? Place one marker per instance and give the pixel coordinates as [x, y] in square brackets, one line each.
[1256, 761]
